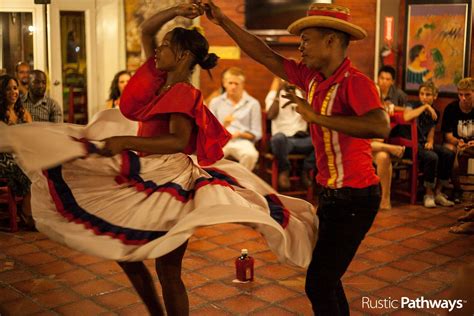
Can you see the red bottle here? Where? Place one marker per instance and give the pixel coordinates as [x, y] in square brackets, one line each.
[244, 266]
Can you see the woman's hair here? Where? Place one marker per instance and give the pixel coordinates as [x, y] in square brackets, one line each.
[114, 92]
[415, 51]
[197, 44]
[18, 107]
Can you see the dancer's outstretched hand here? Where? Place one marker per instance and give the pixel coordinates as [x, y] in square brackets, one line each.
[190, 10]
[213, 12]
[113, 146]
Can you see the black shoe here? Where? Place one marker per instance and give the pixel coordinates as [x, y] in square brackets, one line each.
[457, 196]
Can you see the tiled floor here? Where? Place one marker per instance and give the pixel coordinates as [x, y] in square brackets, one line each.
[408, 252]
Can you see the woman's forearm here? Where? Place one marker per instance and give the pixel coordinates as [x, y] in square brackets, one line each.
[151, 26]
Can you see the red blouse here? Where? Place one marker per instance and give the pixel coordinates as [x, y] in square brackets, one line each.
[139, 102]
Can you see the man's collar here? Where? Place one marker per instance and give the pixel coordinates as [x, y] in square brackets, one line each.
[339, 75]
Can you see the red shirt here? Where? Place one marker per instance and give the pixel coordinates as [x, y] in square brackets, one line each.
[139, 102]
[342, 160]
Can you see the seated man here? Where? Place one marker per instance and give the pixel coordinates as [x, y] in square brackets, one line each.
[437, 160]
[392, 97]
[41, 107]
[289, 134]
[240, 114]
[457, 129]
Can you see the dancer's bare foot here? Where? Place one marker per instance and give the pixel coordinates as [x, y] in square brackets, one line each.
[464, 228]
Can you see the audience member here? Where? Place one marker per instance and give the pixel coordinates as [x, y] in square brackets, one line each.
[12, 112]
[22, 74]
[41, 107]
[382, 154]
[436, 160]
[393, 98]
[241, 116]
[119, 83]
[289, 134]
[457, 129]
[217, 92]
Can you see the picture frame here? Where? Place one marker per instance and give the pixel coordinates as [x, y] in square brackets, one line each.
[437, 44]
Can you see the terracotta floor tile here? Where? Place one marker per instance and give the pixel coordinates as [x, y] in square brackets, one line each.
[274, 293]
[75, 276]
[380, 256]
[365, 283]
[54, 268]
[299, 305]
[242, 304]
[119, 278]
[276, 271]
[206, 232]
[226, 228]
[435, 222]
[138, 309]
[431, 257]
[399, 249]
[15, 275]
[216, 291]
[411, 265]
[95, 287]
[374, 242]
[360, 264]
[253, 246]
[223, 254]
[389, 274]
[80, 308]
[211, 310]
[55, 297]
[45, 244]
[8, 240]
[47, 313]
[21, 249]
[192, 262]
[105, 268]
[395, 292]
[273, 311]
[195, 301]
[36, 258]
[201, 245]
[444, 275]
[440, 235]
[423, 285]
[118, 300]
[268, 256]
[418, 244]
[85, 259]
[63, 252]
[398, 233]
[454, 249]
[36, 285]
[295, 283]
[21, 306]
[192, 280]
[218, 272]
[8, 294]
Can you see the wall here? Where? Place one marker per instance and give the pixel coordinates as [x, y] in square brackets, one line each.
[258, 78]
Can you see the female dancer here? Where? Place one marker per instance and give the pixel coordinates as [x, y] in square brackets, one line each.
[130, 207]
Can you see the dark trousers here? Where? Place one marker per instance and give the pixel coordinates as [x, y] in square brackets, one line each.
[343, 223]
[283, 145]
[436, 163]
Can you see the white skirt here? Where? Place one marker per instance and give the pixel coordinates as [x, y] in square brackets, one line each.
[118, 207]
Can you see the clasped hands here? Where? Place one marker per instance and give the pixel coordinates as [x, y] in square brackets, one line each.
[197, 8]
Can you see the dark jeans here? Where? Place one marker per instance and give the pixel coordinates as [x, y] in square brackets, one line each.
[436, 163]
[283, 145]
[343, 223]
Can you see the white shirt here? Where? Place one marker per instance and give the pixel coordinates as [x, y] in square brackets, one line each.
[246, 113]
[288, 121]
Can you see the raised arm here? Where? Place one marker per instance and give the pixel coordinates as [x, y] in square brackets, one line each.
[249, 43]
[410, 114]
[152, 25]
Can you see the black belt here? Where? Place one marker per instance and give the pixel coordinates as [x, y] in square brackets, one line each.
[344, 193]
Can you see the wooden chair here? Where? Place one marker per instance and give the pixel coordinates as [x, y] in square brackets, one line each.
[409, 164]
[77, 110]
[269, 165]
[7, 197]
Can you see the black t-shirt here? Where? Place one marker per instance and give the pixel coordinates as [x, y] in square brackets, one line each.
[457, 122]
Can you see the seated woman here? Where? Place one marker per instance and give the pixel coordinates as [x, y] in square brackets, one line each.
[119, 83]
[12, 112]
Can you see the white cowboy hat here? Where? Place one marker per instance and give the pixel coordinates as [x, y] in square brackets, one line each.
[329, 16]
